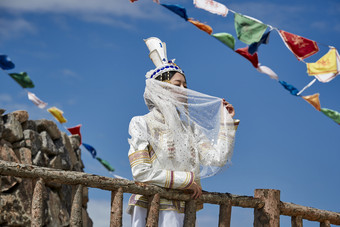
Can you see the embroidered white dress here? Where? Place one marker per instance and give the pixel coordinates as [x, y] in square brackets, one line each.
[169, 151]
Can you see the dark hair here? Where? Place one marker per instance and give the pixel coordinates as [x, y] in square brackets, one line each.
[166, 76]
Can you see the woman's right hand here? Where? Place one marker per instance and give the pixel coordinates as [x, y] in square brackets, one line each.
[196, 189]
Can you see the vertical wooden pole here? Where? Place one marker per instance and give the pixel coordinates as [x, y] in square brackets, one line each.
[116, 215]
[190, 213]
[225, 215]
[297, 221]
[76, 209]
[37, 204]
[153, 211]
[269, 215]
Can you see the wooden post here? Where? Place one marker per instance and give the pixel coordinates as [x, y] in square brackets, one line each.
[153, 211]
[325, 224]
[116, 215]
[76, 209]
[225, 215]
[269, 215]
[297, 221]
[37, 204]
[190, 213]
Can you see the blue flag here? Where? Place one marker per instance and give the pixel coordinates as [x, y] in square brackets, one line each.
[5, 62]
[179, 10]
[254, 46]
[293, 90]
[91, 150]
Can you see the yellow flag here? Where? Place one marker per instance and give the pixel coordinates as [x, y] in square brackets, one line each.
[58, 114]
[326, 64]
[313, 100]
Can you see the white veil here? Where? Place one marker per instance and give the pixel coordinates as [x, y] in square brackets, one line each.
[188, 130]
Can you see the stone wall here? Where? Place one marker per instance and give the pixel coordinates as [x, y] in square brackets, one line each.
[37, 142]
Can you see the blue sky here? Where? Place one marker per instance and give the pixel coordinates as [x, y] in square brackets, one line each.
[88, 59]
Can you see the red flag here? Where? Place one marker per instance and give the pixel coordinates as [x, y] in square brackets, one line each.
[301, 47]
[252, 58]
[75, 131]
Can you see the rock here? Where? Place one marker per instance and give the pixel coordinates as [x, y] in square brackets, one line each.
[75, 141]
[50, 127]
[70, 150]
[25, 155]
[2, 127]
[39, 159]
[47, 144]
[54, 211]
[32, 140]
[29, 124]
[20, 115]
[63, 153]
[55, 163]
[37, 143]
[19, 144]
[13, 212]
[12, 128]
[7, 154]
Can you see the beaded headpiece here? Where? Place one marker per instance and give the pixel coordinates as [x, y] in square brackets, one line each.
[159, 58]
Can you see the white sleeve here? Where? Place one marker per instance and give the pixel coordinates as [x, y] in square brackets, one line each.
[221, 152]
[142, 158]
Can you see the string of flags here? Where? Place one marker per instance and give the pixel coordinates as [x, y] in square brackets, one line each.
[252, 32]
[25, 81]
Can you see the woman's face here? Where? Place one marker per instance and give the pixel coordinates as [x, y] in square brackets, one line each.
[178, 80]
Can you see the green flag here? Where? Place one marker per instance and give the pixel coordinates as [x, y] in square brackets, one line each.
[248, 30]
[225, 38]
[105, 164]
[23, 79]
[331, 114]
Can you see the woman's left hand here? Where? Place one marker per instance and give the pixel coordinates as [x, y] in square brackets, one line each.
[229, 107]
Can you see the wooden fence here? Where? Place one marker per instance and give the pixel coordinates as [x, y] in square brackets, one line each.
[266, 202]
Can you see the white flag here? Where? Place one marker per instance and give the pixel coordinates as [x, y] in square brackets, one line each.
[36, 100]
[268, 71]
[212, 7]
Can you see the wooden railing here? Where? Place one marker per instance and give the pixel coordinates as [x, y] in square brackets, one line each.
[266, 202]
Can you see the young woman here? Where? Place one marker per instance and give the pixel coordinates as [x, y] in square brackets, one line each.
[185, 137]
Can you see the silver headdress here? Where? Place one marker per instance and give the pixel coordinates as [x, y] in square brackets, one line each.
[159, 58]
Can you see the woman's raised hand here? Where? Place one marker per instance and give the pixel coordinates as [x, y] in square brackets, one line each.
[229, 107]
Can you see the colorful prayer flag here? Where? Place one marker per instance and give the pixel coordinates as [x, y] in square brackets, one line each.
[324, 78]
[212, 7]
[179, 10]
[106, 164]
[226, 38]
[334, 115]
[36, 100]
[75, 131]
[326, 64]
[289, 87]
[268, 71]
[313, 100]
[254, 46]
[252, 58]
[301, 47]
[90, 149]
[201, 26]
[23, 79]
[248, 30]
[58, 114]
[5, 62]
